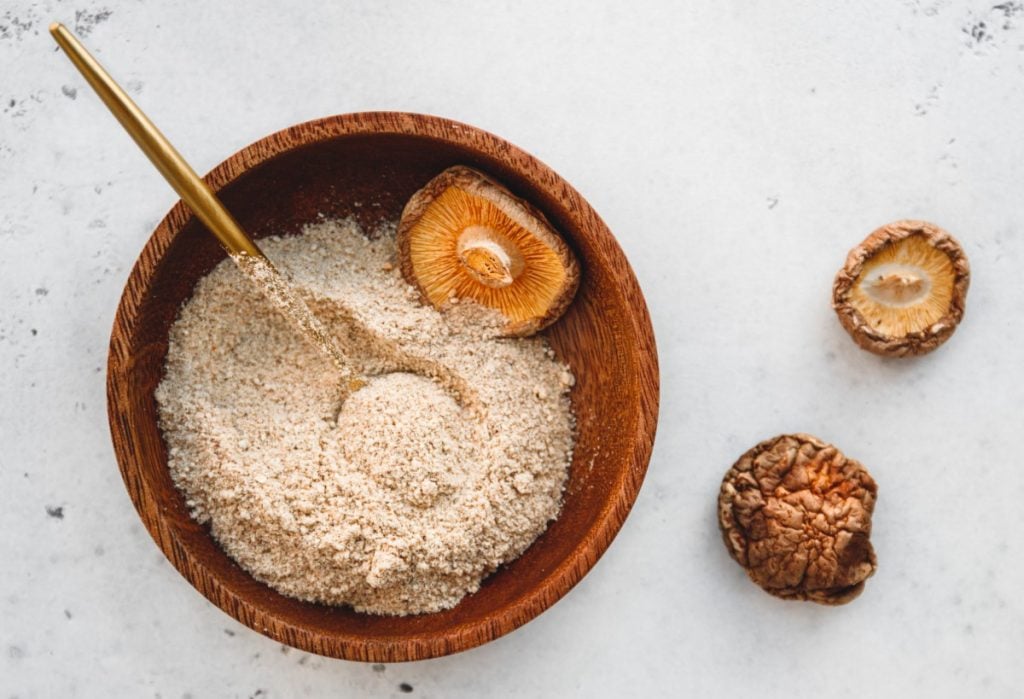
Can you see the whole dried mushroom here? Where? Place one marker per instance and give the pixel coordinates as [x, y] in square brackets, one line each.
[796, 514]
[902, 291]
[464, 236]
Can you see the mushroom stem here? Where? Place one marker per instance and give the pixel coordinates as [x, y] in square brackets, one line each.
[899, 287]
[489, 257]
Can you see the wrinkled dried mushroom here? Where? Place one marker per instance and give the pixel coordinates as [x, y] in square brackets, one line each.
[465, 236]
[796, 514]
[902, 291]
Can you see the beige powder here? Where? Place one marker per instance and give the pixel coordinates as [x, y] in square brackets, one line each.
[282, 295]
[395, 499]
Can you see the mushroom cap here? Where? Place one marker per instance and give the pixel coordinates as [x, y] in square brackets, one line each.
[796, 514]
[902, 291]
[464, 235]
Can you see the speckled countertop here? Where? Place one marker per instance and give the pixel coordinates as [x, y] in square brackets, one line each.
[736, 149]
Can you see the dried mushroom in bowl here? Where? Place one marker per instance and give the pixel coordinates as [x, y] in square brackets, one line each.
[464, 236]
[796, 514]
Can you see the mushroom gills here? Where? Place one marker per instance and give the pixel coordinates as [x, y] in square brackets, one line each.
[905, 287]
[463, 236]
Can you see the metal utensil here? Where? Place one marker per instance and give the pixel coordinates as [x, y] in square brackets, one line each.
[246, 254]
[189, 186]
[201, 199]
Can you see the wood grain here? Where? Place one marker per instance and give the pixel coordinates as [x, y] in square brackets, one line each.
[367, 165]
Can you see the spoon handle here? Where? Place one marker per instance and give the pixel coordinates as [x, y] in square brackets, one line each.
[189, 186]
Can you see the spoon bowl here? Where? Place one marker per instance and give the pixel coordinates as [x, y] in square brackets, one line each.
[366, 166]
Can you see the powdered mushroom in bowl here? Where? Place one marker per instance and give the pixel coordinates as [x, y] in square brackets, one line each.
[361, 169]
[396, 498]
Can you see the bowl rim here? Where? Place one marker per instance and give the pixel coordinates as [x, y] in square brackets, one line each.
[461, 636]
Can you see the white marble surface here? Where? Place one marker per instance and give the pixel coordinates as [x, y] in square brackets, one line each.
[737, 150]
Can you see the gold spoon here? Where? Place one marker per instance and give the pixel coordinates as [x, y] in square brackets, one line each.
[192, 189]
[158, 149]
[246, 254]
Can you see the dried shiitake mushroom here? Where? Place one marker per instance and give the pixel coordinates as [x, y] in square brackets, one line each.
[465, 236]
[902, 291]
[796, 514]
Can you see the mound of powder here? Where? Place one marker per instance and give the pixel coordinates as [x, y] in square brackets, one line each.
[395, 500]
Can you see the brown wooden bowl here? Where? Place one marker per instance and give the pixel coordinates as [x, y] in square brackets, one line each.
[367, 166]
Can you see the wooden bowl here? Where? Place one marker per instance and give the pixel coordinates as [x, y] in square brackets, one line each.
[367, 166]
